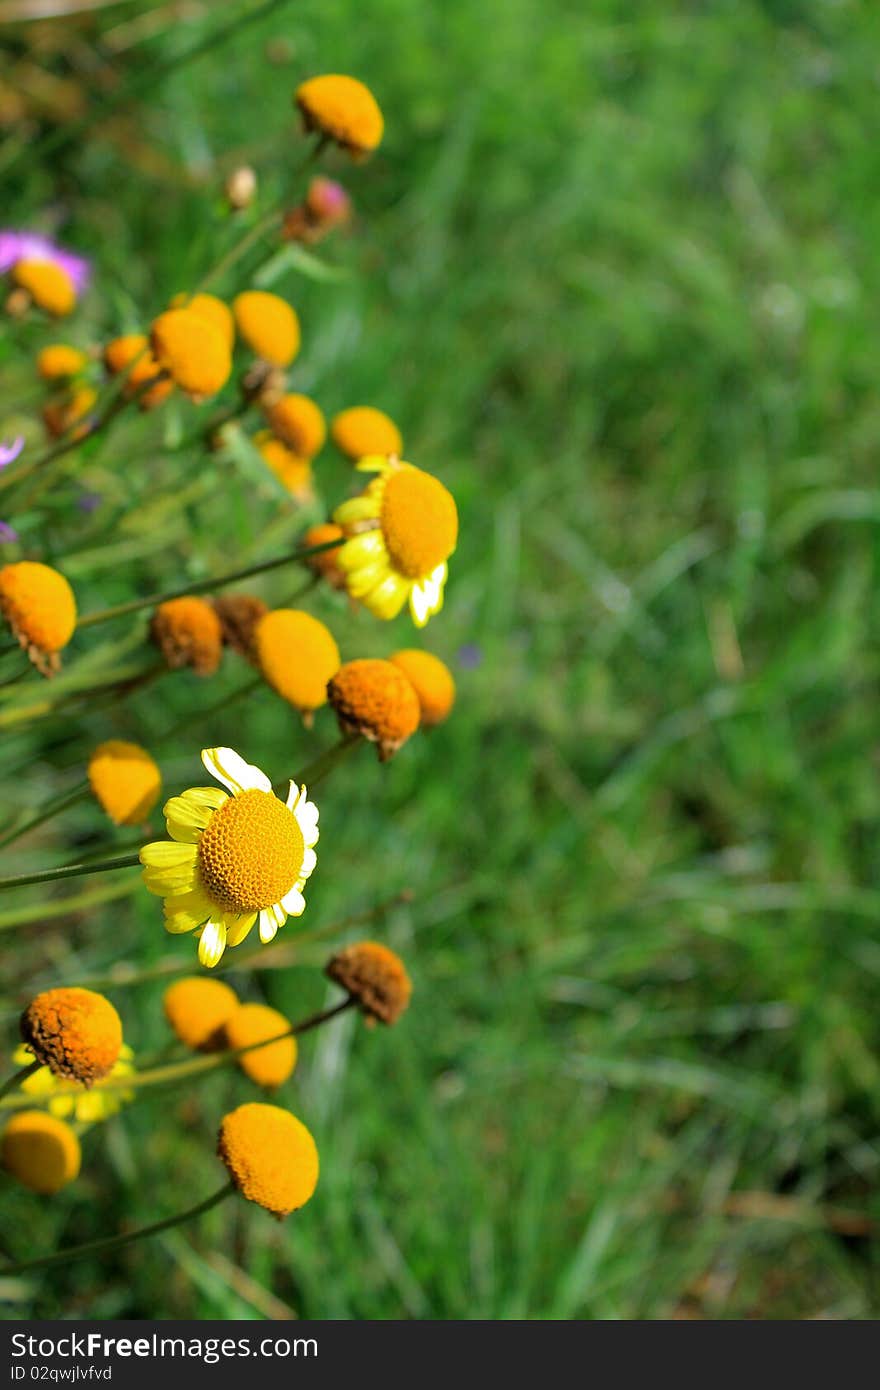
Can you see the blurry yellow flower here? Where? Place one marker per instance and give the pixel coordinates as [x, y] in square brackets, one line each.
[209, 307]
[38, 604]
[299, 423]
[70, 1098]
[364, 430]
[197, 1010]
[232, 859]
[374, 976]
[76, 1033]
[376, 700]
[192, 350]
[48, 285]
[145, 379]
[432, 681]
[70, 413]
[251, 1023]
[268, 325]
[325, 563]
[297, 655]
[125, 781]
[60, 360]
[270, 1156]
[187, 632]
[293, 472]
[342, 109]
[403, 529]
[41, 1151]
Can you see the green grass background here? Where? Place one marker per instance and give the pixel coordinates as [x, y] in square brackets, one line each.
[615, 272]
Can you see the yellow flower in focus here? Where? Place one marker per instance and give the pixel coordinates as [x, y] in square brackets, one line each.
[198, 1009]
[299, 424]
[209, 307]
[376, 700]
[297, 655]
[431, 680]
[192, 350]
[268, 1066]
[187, 632]
[125, 780]
[270, 1156]
[374, 976]
[342, 109]
[268, 325]
[60, 360]
[48, 285]
[293, 473]
[232, 859]
[38, 604]
[66, 1099]
[363, 430]
[76, 1033]
[403, 528]
[41, 1151]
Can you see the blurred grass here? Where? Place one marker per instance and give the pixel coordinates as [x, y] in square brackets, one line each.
[616, 275]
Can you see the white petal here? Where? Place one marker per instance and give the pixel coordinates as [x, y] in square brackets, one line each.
[269, 924]
[310, 859]
[294, 795]
[212, 943]
[294, 903]
[420, 604]
[232, 770]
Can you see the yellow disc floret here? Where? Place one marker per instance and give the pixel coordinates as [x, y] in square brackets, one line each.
[253, 1023]
[232, 874]
[48, 285]
[297, 655]
[38, 604]
[419, 521]
[376, 700]
[187, 631]
[432, 681]
[42, 1152]
[209, 307]
[342, 109]
[270, 1155]
[198, 1010]
[293, 472]
[76, 1033]
[268, 325]
[364, 430]
[192, 350]
[60, 360]
[374, 976]
[299, 423]
[125, 780]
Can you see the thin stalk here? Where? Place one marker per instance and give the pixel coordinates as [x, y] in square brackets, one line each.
[319, 768]
[13, 1082]
[54, 808]
[124, 680]
[122, 861]
[108, 1243]
[60, 907]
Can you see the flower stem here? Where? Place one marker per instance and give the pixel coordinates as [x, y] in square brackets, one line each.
[58, 804]
[107, 1243]
[122, 861]
[22, 1075]
[60, 907]
[318, 769]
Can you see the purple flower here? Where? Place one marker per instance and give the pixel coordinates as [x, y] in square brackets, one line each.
[31, 246]
[89, 502]
[8, 452]
[470, 656]
[7, 534]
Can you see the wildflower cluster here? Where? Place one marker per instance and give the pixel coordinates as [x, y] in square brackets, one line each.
[240, 847]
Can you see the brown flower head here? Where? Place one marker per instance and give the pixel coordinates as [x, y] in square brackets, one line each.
[187, 632]
[76, 1033]
[376, 700]
[239, 615]
[375, 977]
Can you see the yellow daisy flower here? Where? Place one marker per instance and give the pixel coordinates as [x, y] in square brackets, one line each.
[402, 530]
[232, 859]
[71, 1099]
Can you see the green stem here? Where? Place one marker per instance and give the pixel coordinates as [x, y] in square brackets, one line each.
[203, 586]
[122, 861]
[60, 907]
[318, 769]
[125, 680]
[55, 807]
[15, 1081]
[107, 1243]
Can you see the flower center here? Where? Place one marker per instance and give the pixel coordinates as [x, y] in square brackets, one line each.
[419, 522]
[250, 852]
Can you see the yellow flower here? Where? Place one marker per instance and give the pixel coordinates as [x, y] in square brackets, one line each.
[363, 430]
[325, 563]
[41, 1151]
[297, 655]
[342, 109]
[270, 1156]
[48, 285]
[299, 424]
[145, 378]
[209, 307]
[60, 360]
[376, 700]
[268, 325]
[70, 1098]
[403, 529]
[125, 780]
[38, 604]
[197, 1009]
[232, 859]
[431, 680]
[270, 1065]
[375, 977]
[188, 632]
[293, 472]
[192, 350]
[70, 413]
[76, 1033]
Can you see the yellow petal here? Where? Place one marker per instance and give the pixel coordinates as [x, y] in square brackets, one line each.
[165, 854]
[237, 928]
